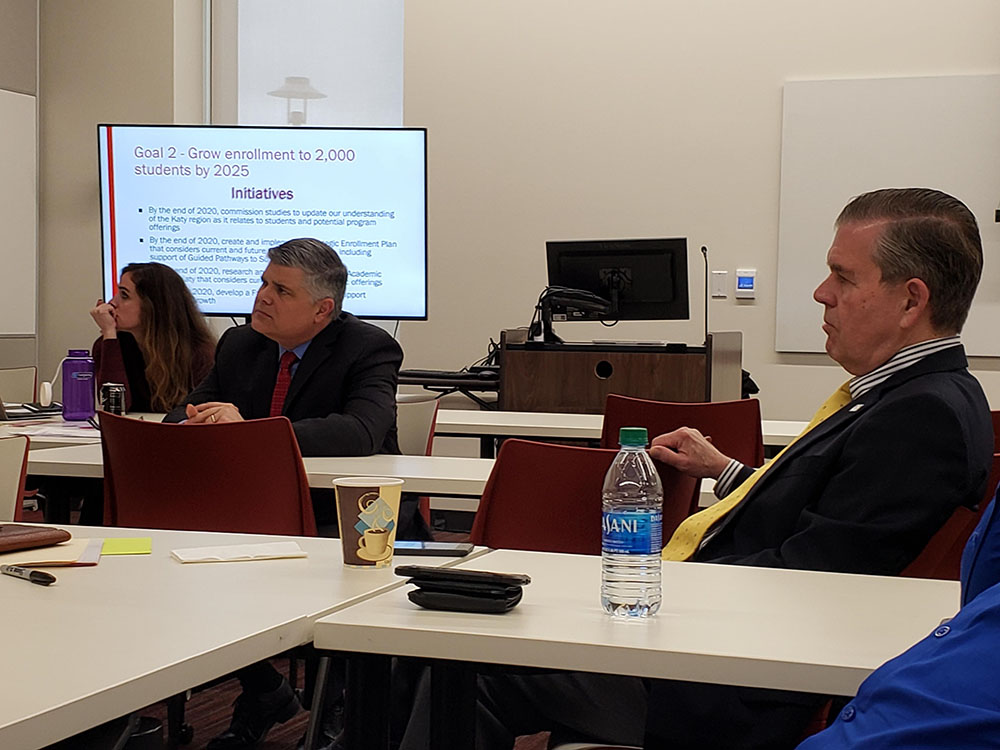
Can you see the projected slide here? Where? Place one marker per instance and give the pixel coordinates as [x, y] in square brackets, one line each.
[209, 201]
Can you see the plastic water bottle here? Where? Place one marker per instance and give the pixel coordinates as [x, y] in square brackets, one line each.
[632, 530]
[78, 385]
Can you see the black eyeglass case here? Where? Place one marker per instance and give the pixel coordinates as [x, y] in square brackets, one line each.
[459, 590]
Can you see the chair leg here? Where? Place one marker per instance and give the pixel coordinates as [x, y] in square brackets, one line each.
[366, 725]
[178, 731]
[316, 709]
[293, 670]
[453, 705]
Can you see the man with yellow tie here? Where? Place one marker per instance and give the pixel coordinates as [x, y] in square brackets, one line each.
[881, 467]
[901, 444]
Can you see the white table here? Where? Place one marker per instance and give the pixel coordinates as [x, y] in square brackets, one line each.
[450, 423]
[437, 475]
[532, 425]
[780, 432]
[523, 424]
[51, 433]
[461, 478]
[57, 432]
[107, 640]
[444, 475]
[735, 625]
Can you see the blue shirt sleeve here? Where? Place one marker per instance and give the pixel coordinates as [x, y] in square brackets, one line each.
[941, 693]
[981, 556]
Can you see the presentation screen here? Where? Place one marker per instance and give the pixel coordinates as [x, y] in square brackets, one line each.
[210, 200]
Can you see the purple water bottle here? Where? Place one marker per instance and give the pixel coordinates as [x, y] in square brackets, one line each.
[78, 385]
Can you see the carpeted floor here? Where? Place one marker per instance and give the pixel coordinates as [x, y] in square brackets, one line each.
[208, 712]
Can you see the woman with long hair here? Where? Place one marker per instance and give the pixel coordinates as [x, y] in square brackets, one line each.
[153, 339]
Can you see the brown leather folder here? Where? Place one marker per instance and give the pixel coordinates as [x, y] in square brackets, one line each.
[19, 536]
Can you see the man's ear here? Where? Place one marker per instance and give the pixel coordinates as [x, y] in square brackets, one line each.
[324, 308]
[917, 302]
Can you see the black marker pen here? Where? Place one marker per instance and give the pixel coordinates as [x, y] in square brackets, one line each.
[35, 576]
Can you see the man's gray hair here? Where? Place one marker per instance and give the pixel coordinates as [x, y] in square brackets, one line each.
[325, 273]
[928, 235]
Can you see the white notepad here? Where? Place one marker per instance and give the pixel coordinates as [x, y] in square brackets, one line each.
[239, 552]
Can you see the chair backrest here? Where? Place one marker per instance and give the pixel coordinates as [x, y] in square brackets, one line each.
[416, 417]
[547, 498]
[942, 557]
[235, 476]
[996, 430]
[415, 422]
[734, 426]
[13, 470]
[17, 384]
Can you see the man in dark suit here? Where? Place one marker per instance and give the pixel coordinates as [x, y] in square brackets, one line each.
[865, 489]
[342, 395]
[902, 444]
[340, 389]
[333, 376]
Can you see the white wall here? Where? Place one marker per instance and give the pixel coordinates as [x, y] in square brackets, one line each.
[590, 119]
[577, 118]
[100, 61]
[18, 86]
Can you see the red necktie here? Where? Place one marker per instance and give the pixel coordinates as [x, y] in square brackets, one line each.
[281, 384]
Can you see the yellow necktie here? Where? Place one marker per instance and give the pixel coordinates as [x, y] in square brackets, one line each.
[687, 538]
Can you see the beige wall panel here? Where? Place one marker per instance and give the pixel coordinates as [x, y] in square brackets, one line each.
[641, 118]
[19, 45]
[101, 61]
[18, 215]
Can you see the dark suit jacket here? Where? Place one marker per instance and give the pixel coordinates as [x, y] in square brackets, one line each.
[861, 493]
[865, 490]
[342, 398]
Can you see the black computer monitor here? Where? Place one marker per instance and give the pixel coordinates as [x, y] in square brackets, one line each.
[643, 279]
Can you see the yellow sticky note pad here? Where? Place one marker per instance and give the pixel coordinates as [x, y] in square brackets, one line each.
[140, 545]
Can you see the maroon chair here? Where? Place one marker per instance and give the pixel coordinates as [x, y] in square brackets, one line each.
[244, 477]
[996, 431]
[734, 426]
[942, 556]
[13, 472]
[547, 498]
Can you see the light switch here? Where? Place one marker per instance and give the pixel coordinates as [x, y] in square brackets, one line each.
[720, 280]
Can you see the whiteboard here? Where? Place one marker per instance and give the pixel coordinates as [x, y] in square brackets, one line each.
[18, 217]
[841, 138]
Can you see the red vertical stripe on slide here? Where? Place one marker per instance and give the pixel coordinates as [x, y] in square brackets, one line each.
[111, 216]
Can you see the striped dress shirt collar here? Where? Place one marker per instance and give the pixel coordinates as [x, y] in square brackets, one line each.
[858, 386]
[902, 359]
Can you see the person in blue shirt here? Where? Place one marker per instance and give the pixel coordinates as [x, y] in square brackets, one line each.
[944, 692]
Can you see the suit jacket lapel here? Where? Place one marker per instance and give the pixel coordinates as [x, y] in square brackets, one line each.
[318, 352]
[263, 372]
[949, 359]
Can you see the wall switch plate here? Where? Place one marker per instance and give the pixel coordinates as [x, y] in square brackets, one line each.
[720, 282]
[746, 283]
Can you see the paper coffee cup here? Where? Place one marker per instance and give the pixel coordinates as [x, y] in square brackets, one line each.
[368, 514]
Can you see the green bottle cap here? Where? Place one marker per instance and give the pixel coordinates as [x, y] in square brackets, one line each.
[633, 436]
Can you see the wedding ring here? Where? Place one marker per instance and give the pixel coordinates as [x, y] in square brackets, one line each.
[213, 417]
